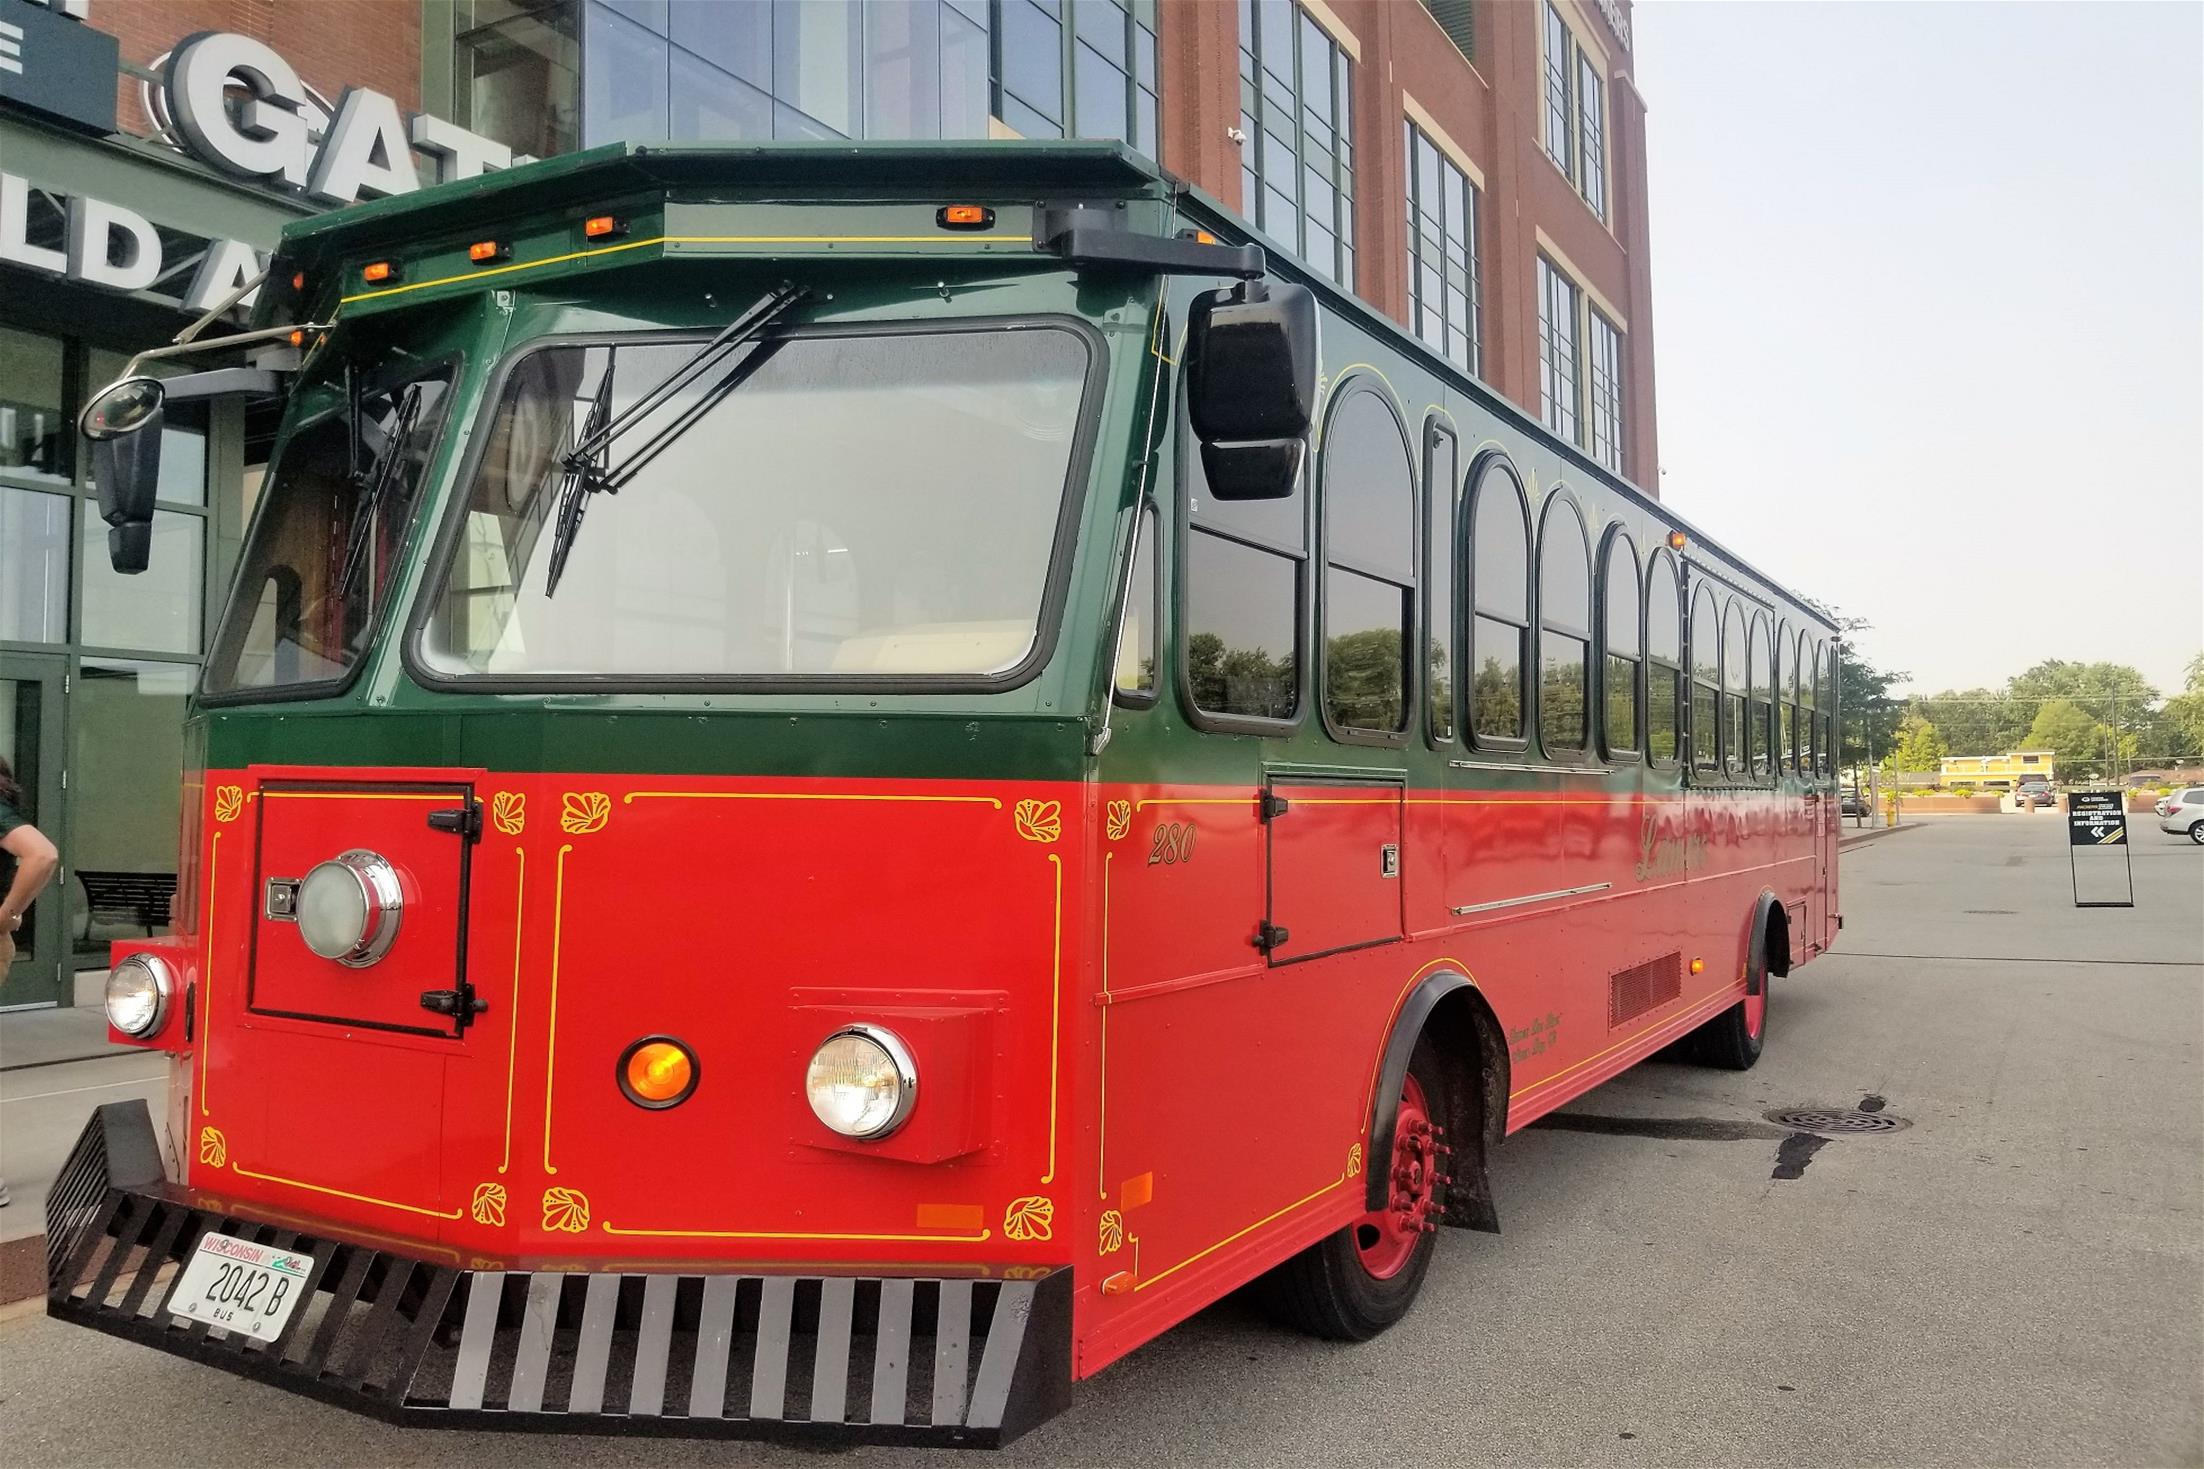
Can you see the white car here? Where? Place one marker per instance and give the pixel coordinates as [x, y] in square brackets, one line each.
[2183, 814]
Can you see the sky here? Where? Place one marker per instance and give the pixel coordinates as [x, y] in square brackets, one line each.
[1928, 300]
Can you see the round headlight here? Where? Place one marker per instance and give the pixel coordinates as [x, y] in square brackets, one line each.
[862, 1082]
[348, 908]
[137, 994]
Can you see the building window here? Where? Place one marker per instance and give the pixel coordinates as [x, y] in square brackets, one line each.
[1603, 390]
[1619, 668]
[1564, 629]
[1443, 298]
[1455, 19]
[781, 69]
[517, 78]
[1573, 121]
[1369, 567]
[1558, 306]
[1088, 74]
[1579, 367]
[1664, 660]
[1499, 624]
[1297, 163]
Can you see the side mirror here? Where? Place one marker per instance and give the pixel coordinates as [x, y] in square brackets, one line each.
[123, 425]
[1251, 386]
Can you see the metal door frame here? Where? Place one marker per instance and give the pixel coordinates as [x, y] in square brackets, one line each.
[48, 929]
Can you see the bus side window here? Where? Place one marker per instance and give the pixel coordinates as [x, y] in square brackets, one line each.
[1757, 679]
[1733, 690]
[1564, 627]
[1621, 646]
[1809, 725]
[1665, 699]
[1706, 682]
[1369, 519]
[1499, 625]
[1240, 590]
[1786, 696]
[1825, 673]
[1136, 628]
[1438, 581]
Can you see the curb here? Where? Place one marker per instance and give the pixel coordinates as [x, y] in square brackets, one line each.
[1868, 836]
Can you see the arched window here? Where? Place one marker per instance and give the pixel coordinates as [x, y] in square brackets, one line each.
[1809, 729]
[1825, 665]
[1369, 566]
[1733, 689]
[1499, 630]
[1706, 681]
[1757, 713]
[1439, 489]
[1664, 660]
[1786, 693]
[1619, 628]
[1564, 628]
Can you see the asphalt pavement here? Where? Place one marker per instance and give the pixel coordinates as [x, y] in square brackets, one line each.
[2017, 1277]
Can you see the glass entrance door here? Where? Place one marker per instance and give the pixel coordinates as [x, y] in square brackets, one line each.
[30, 741]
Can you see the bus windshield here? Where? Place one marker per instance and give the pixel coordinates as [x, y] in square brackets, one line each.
[863, 504]
[331, 530]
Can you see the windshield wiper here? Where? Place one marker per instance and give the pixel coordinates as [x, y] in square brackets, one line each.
[377, 485]
[586, 465]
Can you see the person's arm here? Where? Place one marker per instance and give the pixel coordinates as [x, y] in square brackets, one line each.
[35, 861]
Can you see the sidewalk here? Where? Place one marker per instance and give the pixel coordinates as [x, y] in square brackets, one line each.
[55, 1067]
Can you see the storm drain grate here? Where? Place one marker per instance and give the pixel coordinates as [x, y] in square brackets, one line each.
[1835, 1121]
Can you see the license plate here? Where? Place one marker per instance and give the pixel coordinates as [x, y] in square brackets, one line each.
[240, 1286]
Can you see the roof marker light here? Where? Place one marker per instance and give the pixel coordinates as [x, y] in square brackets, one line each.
[484, 252]
[603, 227]
[298, 280]
[964, 216]
[379, 272]
[1677, 540]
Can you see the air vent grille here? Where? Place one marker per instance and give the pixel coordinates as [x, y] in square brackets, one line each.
[1642, 987]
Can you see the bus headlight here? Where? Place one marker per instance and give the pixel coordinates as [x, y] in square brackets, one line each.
[138, 991]
[349, 907]
[862, 1082]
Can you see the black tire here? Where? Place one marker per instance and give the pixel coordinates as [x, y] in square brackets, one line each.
[1728, 1041]
[2196, 832]
[1325, 1290]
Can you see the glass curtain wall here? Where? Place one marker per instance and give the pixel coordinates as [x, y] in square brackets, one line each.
[132, 644]
[1297, 161]
[820, 69]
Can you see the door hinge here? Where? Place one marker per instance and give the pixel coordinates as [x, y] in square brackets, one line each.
[1272, 806]
[464, 821]
[1270, 937]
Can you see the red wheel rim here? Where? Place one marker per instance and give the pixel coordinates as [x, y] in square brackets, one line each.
[1386, 1238]
[1756, 1010]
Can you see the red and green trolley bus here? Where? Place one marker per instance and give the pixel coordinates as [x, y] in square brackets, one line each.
[842, 781]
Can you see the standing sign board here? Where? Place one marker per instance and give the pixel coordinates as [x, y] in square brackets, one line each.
[2097, 819]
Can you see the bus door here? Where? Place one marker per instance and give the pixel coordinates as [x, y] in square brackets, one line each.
[1332, 850]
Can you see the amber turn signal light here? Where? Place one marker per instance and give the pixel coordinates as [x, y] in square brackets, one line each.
[964, 216]
[657, 1072]
[1677, 540]
[1697, 965]
[483, 252]
[603, 227]
[298, 281]
[379, 272]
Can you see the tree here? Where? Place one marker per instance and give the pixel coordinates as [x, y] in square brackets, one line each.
[1918, 745]
[2080, 742]
[1972, 721]
[2182, 724]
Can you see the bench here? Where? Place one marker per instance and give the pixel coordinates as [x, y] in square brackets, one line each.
[142, 898]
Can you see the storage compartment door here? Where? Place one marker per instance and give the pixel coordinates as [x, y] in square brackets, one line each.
[1335, 865]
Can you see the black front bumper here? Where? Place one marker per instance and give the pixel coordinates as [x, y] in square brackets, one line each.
[945, 1361]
